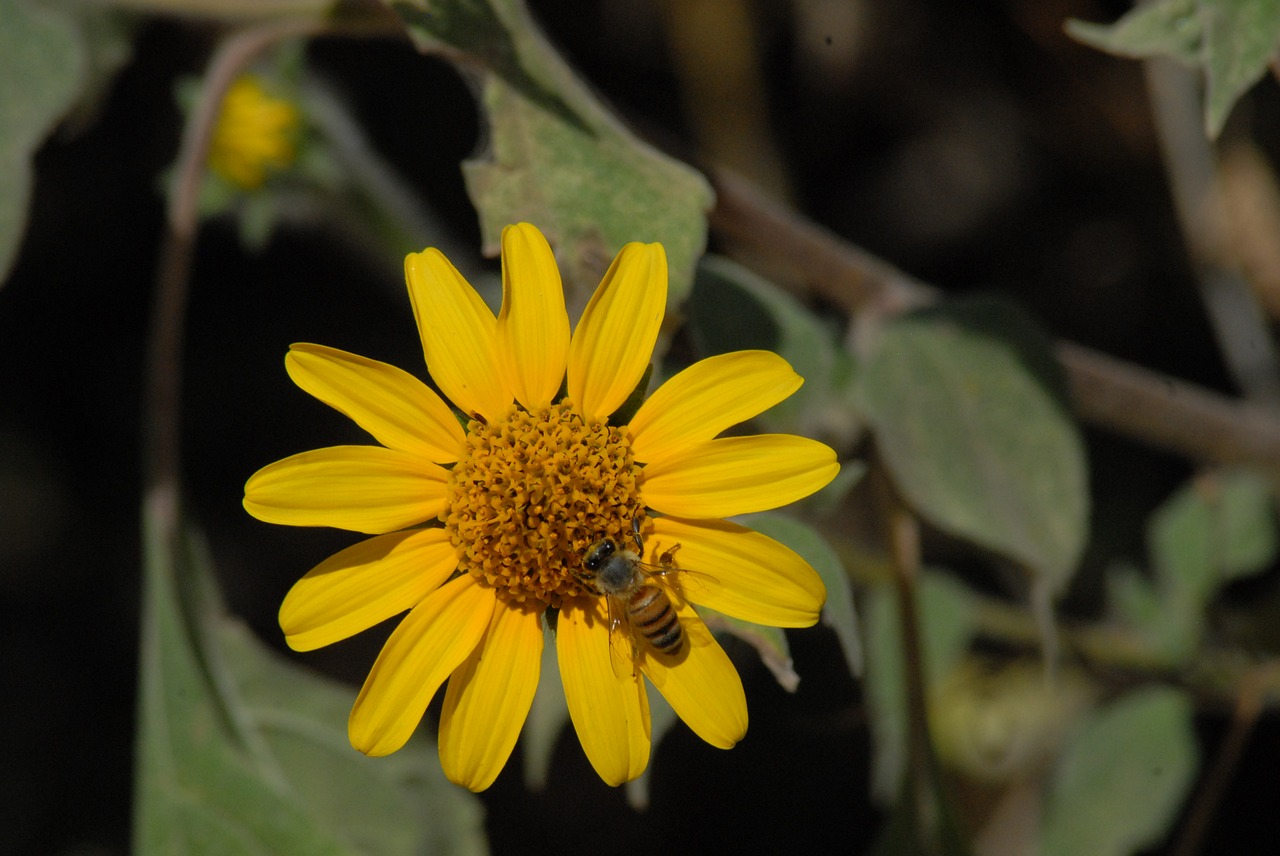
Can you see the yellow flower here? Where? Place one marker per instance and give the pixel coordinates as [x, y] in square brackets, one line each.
[254, 135]
[480, 532]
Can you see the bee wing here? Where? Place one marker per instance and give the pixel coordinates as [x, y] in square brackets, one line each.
[624, 650]
[681, 584]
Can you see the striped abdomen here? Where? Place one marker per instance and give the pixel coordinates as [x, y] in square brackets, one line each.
[651, 615]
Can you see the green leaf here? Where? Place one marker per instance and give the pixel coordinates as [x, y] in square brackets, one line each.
[1170, 626]
[1121, 781]
[838, 612]
[732, 309]
[1217, 529]
[769, 642]
[1231, 41]
[239, 751]
[40, 76]
[557, 158]
[1240, 39]
[1170, 28]
[1132, 597]
[968, 413]
[107, 36]
[377, 804]
[947, 624]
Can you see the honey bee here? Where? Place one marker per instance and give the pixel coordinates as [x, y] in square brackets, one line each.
[635, 597]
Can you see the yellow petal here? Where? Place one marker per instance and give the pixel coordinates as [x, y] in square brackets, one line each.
[738, 475]
[399, 410]
[708, 397]
[365, 584]
[533, 327]
[613, 343]
[610, 711]
[459, 335]
[741, 573]
[488, 698]
[361, 488]
[433, 640]
[701, 684]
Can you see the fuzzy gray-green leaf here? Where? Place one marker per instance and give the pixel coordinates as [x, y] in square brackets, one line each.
[1164, 28]
[241, 751]
[733, 309]
[40, 76]
[1240, 40]
[947, 624]
[556, 157]
[838, 612]
[1219, 528]
[1121, 781]
[969, 416]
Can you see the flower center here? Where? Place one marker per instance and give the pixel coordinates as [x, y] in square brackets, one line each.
[532, 493]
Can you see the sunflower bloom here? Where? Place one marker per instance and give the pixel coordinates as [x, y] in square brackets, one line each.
[255, 134]
[480, 531]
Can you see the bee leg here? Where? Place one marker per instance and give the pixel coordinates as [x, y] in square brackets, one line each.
[635, 534]
[588, 581]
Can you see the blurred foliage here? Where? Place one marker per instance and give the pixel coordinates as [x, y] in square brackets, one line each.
[43, 70]
[1231, 42]
[1218, 529]
[731, 308]
[966, 406]
[947, 628]
[556, 156]
[241, 751]
[1122, 779]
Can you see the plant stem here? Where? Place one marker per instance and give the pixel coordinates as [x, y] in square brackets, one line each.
[1156, 409]
[934, 829]
[1249, 705]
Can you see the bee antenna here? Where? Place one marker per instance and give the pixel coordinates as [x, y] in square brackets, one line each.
[635, 533]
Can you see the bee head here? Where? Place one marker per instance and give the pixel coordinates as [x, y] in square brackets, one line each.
[599, 553]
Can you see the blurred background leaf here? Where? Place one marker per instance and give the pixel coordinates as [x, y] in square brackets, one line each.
[1231, 41]
[43, 70]
[1219, 528]
[838, 613]
[969, 416]
[556, 156]
[240, 751]
[1122, 779]
[947, 626]
[732, 309]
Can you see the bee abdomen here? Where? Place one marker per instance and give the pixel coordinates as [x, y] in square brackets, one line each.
[652, 614]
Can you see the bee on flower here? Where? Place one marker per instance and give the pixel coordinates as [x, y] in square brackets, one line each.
[481, 525]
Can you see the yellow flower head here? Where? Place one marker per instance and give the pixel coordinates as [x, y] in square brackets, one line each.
[478, 532]
[255, 134]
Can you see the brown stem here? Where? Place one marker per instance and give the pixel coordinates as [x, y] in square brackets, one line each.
[161, 440]
[1230, 302]
[924, 779]
[1249, 704]
[1169, 413]
[1154, 408]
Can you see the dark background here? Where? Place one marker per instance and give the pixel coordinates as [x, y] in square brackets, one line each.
[971, 144]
